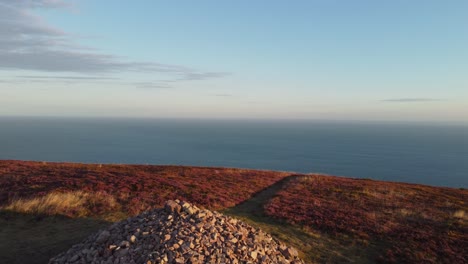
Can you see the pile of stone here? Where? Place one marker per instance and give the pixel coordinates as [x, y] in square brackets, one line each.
[179, 233]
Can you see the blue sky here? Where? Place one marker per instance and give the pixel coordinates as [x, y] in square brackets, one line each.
[338, 60]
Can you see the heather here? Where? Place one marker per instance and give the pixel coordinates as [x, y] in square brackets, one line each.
[45, 208]
[134, 188]
[403, 222]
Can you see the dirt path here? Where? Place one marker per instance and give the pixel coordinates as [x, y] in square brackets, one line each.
[315, 247]
[254, 206]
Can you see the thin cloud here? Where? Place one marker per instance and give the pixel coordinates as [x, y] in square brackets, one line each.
[202, 75]
[152, 85]
[223, 95]
[30, 43]
[67, 77]
[39, 3]
[410, 100]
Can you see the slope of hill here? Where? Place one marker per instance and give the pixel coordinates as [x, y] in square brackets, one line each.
[47, 207]
[130, 189]
[403, 222]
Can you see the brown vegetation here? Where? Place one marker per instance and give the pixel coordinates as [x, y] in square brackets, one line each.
[330, 219]
[409, 223]
[133, 188]
[73, 204]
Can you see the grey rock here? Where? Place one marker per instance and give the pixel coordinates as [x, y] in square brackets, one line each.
[179, 233]
[103, 237]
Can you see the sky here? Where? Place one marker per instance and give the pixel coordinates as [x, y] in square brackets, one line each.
[393, 60]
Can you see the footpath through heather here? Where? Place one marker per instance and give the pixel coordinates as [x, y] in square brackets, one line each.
[316, 247]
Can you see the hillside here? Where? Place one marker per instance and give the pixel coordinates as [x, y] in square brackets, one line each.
[399, 221]
[47, 207]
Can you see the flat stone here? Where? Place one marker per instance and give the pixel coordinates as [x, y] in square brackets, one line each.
[103, 237]
[172, 207]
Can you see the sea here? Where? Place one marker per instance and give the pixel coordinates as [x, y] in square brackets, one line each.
[431, 154]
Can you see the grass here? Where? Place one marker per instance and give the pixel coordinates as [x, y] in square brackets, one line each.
[136, 188]
[403, 222]
[34, 239]
[314, 247]
[71, 204]
[47, 207]
[460, 214]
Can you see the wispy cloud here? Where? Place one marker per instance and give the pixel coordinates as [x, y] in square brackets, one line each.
[410, 100]
[202, 75]
[152, 85]
[39, 3]
[66, 77]
[30, 43]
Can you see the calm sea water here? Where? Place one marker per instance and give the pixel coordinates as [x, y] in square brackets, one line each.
[428, 154]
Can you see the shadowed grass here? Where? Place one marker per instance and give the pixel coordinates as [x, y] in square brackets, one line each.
[34, 239]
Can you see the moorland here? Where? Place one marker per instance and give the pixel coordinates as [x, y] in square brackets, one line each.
[46, 207]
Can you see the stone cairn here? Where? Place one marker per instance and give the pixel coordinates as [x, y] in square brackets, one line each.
[179, 233]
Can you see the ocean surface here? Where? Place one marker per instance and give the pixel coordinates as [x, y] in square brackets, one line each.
[416, 153]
